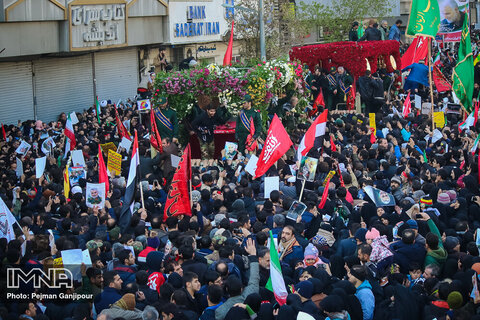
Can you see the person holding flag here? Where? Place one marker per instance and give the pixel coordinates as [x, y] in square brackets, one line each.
[243, 127]
[166, 118]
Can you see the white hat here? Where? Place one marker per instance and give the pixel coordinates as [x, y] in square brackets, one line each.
[192, 63]
[103, 103]
[304, 316]
[76, 190]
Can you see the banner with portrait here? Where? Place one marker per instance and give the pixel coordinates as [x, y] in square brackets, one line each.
[452, 14]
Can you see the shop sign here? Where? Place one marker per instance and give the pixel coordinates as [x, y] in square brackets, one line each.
[97, 26]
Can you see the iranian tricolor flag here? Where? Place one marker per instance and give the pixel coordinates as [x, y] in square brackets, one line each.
[71, 141]
[97, 109]
[475, 145]
[437, 62]
[471, 120]
[275, 283]
[317, 129]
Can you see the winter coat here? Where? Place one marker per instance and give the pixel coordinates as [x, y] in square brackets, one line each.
[116, 312]
[367, 299]
[380, 249]
[404, 254]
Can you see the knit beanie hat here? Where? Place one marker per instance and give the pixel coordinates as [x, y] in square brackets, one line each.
[372, 234]
[311, 252]
[332, 303]
[127, 302]
[396, 179]
[304, 288]
[427, 201]
[455, 300]
[360, 234]
[452, 194]
[153, 242]
[114, 233]
[443, 198]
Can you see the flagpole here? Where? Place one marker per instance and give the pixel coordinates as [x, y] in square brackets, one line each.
[141, 195]
[430, 80]
[301, 192]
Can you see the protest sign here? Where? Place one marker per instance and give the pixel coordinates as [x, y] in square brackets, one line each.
[75, 174]
[144, 105]
[77, 158]
[371, 117]
[308, 167]
[271, 184]
[40, 166]
[23, 148]
[108, 146]
[230, 150]
[252, 165]
[95, 195]
[114, 164]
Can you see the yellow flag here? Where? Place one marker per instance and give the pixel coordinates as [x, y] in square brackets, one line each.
[66, 183]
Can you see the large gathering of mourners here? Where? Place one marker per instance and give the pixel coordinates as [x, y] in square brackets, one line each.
[347, 256]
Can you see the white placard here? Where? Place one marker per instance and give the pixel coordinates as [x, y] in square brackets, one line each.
[125, 143]
[23, 148]
[418, 102]
[72, 260]
[73, 118]
[271, 184]
[40, 164]
[252, 165]
[77, 158]
[130, 248]
[175, 160]
[47, 146]
[19, 170]
[86, 258]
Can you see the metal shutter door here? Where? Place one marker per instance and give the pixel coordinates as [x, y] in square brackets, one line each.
[16, 92]
[116, 73]
[63, 85]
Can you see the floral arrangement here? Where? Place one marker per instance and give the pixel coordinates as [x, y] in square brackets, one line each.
[351, 55]
[262, 82]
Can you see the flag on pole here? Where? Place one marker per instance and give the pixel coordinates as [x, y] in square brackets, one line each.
[66, 183]
[155, 139]
[178, 198]
[317, 129]
[440, 81]
[122, 131]
[97, 109]
[407, 106]
[417, 51]
[325, 193]
[68, 132]
[424, 18]
[475, 145]
[333, 147]
[437, 62]
[102, 170]
[471, 120]
[319, 101]
[463, 72]
[275, 283]
[7, 221]
[276, 145]
[129, 199]
[4, 134]
[227, 59]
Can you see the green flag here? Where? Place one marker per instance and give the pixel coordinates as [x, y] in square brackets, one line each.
[424, 18]
[97, 109]
[463, 72]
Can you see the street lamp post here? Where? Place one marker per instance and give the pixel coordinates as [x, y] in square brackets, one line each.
[261, 24]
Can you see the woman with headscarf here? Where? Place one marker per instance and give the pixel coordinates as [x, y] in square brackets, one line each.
[124, 308]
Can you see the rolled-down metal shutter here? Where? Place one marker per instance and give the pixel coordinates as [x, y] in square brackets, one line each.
[116, 74]
[16, 93]
[63, 85]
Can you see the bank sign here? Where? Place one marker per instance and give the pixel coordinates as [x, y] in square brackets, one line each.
[199, 21]
[97, 26]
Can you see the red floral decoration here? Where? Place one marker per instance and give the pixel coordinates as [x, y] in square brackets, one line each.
[350, 55]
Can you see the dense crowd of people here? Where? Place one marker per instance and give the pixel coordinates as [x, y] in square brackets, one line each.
[349, 258]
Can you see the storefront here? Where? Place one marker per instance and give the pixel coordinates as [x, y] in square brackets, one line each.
[95, 52]
[198, 29]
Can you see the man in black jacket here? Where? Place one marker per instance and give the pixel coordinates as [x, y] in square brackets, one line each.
[353, 34]
[372, 33]
[204, 126]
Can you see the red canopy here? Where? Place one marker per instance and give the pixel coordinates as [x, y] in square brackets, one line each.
[351, 55]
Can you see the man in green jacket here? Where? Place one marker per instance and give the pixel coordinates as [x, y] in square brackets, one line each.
[436, 254]
[166, 119]
[242, 129]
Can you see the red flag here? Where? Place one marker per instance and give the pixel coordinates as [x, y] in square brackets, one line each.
[178, 199]
[319, 101]
[333, 147]
[324, 195]
[417, 51]
[373, 139]
[276, 145]
[227, 60]
[4, 134]
[351, 98]
[122, 131]
[155, 139]
[102, 170]
[407, 106]
[440, 81]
